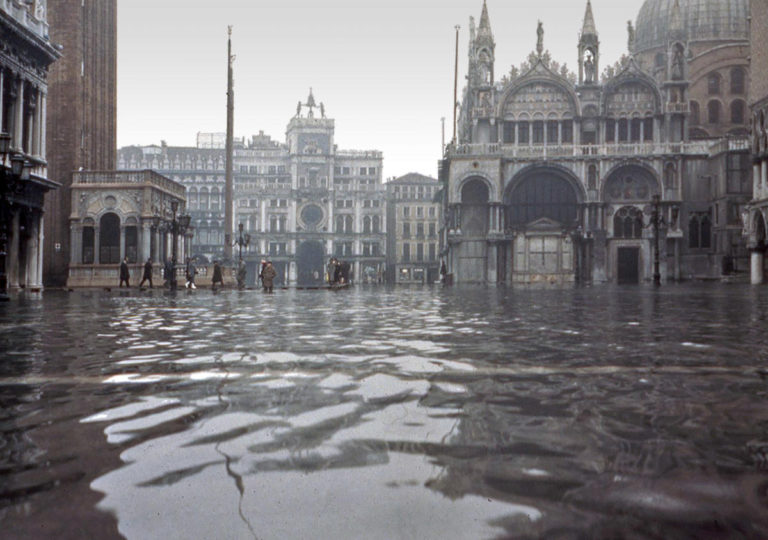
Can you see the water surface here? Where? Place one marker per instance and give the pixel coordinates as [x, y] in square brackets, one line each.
[468, 412]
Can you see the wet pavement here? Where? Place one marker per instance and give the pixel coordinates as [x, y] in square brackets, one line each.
[469, 412]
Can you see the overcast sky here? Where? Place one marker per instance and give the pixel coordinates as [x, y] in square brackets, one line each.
[383, 68]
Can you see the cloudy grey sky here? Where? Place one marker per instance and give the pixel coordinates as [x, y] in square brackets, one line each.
[383, 68]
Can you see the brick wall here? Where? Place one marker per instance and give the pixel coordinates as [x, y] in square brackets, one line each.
[759, 53]
[82, 111]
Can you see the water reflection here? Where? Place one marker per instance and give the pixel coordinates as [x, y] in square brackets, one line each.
[388, 413]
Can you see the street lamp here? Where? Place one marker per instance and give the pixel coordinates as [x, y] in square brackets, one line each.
[13, 183]
[178, 227]
[657, 221]
[243, 240]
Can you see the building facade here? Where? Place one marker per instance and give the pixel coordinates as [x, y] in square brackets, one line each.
[82, 115]
[413, 222]
[300, 202]
[116, 215]
[756, 216]
[562, 177]
[25, 57]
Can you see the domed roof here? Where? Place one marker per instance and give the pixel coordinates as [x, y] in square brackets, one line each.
[702, 20]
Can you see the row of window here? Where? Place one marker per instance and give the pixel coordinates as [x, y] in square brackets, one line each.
[538, 132]
[415, 192]
[714, 112]
[416, 252]
[346, 171]
[738, 82]
[262, 169]
[431, 229]
[418, 211]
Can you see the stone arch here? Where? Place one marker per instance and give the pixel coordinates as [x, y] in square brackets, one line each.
[475, 196]
[543, 192]
[109, 238]
[563, 98]
[630, 182]
[615, 109]
[628, 222]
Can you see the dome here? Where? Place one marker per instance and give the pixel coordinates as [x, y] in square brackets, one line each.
[703, 20]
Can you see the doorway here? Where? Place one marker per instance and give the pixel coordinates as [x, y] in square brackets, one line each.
[628, 262]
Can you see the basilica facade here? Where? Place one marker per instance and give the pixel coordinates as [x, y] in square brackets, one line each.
[636, 172]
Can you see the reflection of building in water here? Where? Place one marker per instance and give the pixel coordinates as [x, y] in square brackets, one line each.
[554, 174]
[413, 222]
[301, 201]
[756, 218]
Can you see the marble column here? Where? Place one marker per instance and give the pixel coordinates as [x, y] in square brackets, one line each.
[757, 273]
[18, 121]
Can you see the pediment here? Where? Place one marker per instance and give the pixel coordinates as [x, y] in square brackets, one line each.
[544, 224]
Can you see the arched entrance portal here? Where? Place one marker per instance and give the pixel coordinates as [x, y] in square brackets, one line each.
[109, 239]
[543, 210]
[472, 253]
[310, 262]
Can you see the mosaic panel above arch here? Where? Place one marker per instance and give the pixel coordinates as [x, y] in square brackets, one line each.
[539, 97]
[631, 98]
[630, 183]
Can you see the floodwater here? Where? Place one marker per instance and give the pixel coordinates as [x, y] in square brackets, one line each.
[386, 413]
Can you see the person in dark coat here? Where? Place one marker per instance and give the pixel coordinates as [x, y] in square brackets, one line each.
[268, 276]
[191, 271]
[168, 271]
[147, 273]
[217, 276]
[125, 274]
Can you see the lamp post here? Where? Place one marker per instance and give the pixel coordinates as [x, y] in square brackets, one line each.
[13, 183]
[178, 227]
[243, 240]
[657, 221]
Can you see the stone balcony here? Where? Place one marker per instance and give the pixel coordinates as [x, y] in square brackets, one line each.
[554, 151]
[129, 178]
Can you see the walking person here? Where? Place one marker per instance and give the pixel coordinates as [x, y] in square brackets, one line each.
[191, 271]
[125, 273]
[147, 273]
[268, 276]
[217, 276]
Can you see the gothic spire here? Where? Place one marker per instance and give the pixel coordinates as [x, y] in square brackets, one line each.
[589, 28]
[484, 30]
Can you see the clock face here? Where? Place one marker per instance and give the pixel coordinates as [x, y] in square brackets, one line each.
[312, 215]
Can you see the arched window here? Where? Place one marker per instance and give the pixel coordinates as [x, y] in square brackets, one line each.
[348, 224]
[669, 176]
[592, 177]
[204, 198]
[474, 208]
[635, 129]
[700, 231]
[215, 199]
[132, 243]
[88, 247]
[339, 224]
[695, 113]
[192, 198]
[367, 224]
[109, 239]
[737, 112]
[376, 224]
[737, 80]
[713, 111]
[628, 223]
[623, 130]
[713, 84]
